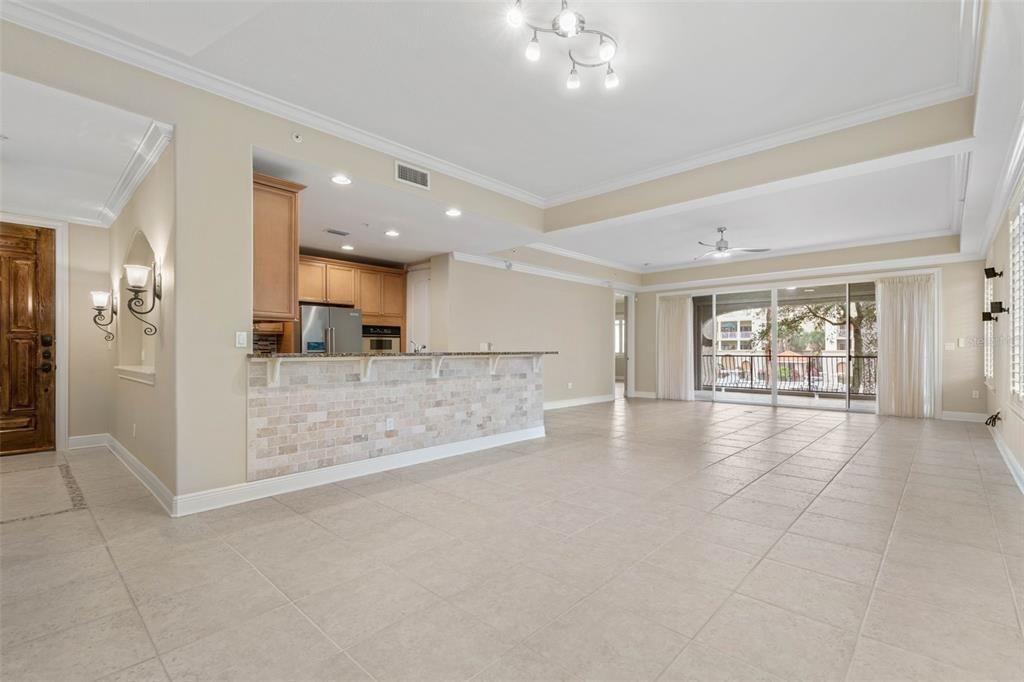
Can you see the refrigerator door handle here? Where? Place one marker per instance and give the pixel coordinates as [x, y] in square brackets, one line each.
[331, 348]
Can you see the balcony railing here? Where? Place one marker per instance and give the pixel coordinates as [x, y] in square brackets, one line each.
[798, 375]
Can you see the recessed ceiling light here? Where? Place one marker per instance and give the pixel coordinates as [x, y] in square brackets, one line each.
[341, 180]
[347, 247]
[453, 212]
[808, 291]
[790, 288]
[391, 233]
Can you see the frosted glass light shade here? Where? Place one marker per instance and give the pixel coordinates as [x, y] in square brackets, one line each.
[137, 275]
[100, 299]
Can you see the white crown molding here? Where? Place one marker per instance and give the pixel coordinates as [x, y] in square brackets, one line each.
[34, 221]
[146, 154]
[818, 248]
[576, 255]
[42, 21]
[858, 269]
[967, 61]
[1010, 180]
[527, 269]
[958, 190]
[760, 144]
[37, 19]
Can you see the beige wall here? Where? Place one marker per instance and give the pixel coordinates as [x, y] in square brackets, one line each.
[143, 417]
[90, 357]
[646, 346]
[213, 141]
[999, 400]
[962, 368]
[517, 311]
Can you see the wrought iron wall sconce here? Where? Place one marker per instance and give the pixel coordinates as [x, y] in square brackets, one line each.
[990, 273]
[101, 300]
[137, 276]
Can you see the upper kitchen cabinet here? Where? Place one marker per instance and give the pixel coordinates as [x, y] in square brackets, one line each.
[341, 285]
[275, 235]
[312, 281]
[392, 294]
[382, 293]
[370, 292]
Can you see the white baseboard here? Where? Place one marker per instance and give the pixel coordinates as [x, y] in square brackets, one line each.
[978, 417]
[155, 486]
[642, 394]
[1011, 461]
[93, 440]
[576, 402]
[205, 500]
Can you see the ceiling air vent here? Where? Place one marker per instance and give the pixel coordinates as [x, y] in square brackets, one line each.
[411, 175]
[340, 233]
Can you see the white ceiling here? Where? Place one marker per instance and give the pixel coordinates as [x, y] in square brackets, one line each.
[66, 157]
[908, 202]
[367, 211]
[448, 79]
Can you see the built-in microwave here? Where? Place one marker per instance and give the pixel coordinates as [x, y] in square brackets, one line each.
[381, 339]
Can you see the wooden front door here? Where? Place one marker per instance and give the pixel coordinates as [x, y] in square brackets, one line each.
[28, 351]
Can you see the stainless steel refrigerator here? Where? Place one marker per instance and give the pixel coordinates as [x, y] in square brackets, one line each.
[331, 329]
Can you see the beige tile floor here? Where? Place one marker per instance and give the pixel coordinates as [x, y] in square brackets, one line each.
[638, 541]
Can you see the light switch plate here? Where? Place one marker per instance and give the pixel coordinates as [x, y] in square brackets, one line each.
[950, 345]
[241, 339]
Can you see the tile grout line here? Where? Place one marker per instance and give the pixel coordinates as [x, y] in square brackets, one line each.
[1002, 552]
[733, 592]
[292, 603]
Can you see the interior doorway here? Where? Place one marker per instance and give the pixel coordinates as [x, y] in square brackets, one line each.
[27, 339]
[621, 345]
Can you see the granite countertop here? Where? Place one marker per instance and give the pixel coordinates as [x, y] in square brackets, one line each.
[425, 354]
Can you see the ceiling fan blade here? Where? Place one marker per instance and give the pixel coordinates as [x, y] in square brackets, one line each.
[705, 244]
[737, 248]
[706, 254]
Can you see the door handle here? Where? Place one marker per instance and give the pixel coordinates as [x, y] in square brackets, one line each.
[45, 368]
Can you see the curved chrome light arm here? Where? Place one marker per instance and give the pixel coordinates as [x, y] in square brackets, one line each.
[593, 65]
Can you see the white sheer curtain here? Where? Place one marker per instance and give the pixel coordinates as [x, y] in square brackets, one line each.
[906, 346]
[675, 348]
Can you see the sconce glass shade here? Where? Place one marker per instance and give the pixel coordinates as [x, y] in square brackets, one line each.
[137, 276]
[100, 299]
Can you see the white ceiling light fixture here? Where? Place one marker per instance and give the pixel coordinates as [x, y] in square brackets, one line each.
[347, 247]
[340, 179]
[567, 24]
[721, 248]
[453, 212]
[391, 233]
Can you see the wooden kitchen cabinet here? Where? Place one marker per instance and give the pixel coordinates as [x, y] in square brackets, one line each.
[370, 287]
[275, 236]
[392, 294]
[312, 281]
[341, 285]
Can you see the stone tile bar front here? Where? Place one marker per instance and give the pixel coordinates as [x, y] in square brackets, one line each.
[308, 412]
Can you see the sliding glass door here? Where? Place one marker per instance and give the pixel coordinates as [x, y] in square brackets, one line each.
[798, 346]
[742, 363]
[812, 348]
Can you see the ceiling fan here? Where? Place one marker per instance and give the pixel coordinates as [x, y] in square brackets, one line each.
[721, 248]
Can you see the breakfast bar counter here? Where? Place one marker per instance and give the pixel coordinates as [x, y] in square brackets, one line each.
[356, 413]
